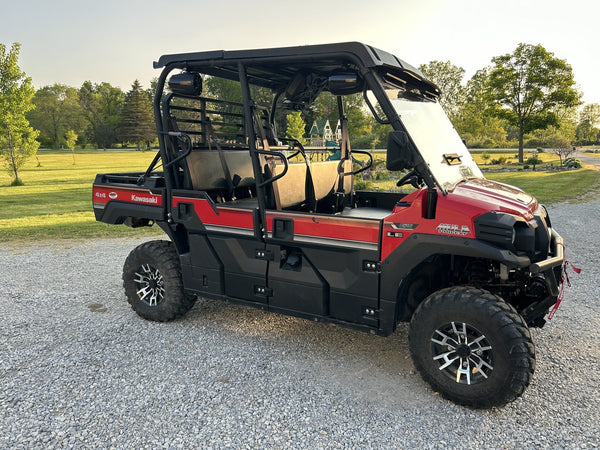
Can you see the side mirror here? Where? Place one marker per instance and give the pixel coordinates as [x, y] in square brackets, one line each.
[186, 84]
[344, 84]
[400, 152]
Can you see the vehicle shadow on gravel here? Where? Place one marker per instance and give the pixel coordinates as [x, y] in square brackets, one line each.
[374, 368]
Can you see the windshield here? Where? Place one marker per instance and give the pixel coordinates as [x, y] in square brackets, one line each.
[437, 141]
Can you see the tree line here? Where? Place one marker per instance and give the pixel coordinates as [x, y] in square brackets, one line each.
[526, 98]
[98, 114]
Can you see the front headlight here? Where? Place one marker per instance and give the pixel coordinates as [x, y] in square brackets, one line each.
[514, 233]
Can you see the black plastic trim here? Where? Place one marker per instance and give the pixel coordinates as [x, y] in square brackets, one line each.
[418, 247]
[115, 212]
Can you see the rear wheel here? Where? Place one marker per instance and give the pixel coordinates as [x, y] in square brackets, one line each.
[472, 347]
[153, 284]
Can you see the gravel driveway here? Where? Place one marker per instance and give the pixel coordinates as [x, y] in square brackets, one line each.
[78, 368]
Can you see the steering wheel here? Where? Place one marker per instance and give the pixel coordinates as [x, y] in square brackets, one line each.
[411, 178]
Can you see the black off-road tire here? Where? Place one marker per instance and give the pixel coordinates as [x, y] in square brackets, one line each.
[153, 284]
[472, 347]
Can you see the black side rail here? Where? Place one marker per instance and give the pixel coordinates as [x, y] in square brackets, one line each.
[362, 169]
[188, 143]
[179, 135]
[295, 143]
[278, 155]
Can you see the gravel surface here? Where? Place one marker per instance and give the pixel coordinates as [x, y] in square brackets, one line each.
[79, 369]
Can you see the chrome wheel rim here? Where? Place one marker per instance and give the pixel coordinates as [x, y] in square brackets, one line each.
[149, 285]
[462, 352]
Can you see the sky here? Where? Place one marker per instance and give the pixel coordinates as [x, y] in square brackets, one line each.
[72, 41]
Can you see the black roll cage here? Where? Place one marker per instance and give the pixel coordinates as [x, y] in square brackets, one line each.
[274, 69]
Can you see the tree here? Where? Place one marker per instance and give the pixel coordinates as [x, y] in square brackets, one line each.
[70, 141]
[17, 138]
[448, 78]
[360, 126]
[57, 110]
[529, 85]
[137, 120]
[563, 151]
[101, 105]
[589, 123]
[477, 121]
[231, 90]
[295, 127]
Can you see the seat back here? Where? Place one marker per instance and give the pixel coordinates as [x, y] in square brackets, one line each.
[207, 172]
[290, 190]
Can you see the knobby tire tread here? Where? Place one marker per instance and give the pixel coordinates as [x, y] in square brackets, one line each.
[158, 253]
[509, 324]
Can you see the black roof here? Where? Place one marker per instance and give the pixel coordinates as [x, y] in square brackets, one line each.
[277, 66]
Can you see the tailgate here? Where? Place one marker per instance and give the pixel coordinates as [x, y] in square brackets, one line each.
[115, 199]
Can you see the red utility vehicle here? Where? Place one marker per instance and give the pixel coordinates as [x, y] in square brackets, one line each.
[256, 218]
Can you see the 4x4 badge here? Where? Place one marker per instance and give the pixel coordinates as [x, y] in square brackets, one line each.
[447, 228]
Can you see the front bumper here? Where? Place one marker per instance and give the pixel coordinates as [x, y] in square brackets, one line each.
[558, 249]
[551, 269]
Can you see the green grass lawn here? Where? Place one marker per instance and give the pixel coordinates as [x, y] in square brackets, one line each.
[553, 187]
[56, 200]
[512, 159]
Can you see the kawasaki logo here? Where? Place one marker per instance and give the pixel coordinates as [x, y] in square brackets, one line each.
[447, 228]
[137, 198]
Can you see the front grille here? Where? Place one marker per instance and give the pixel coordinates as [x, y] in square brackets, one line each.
[514, 233]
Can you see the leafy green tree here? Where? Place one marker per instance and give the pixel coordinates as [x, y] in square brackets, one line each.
[17, 138]
[230, 90]
[551, 137]
[324, 107]
[296, 127]
[448, 78]
[361, 126]
[477, 121]
[588, 130]
[102, 105]
[57, 110]
[137, 121]
[70, 141]
[530, 84]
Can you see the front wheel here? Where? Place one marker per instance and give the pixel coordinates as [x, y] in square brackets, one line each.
[472, 347]
[153, 284]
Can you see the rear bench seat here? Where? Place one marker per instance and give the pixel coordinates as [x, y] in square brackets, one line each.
[207, 174]
[206, 169]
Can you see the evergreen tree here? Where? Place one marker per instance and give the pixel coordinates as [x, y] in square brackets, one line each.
[17, 139]
[137, 120]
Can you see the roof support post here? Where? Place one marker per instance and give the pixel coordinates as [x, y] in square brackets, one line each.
[254, 155]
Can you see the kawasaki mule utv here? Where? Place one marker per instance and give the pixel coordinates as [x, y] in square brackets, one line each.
[255, 217]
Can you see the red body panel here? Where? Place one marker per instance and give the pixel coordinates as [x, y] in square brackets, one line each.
[235, 218]
[455, 212]
[345, 230]
[102, 195]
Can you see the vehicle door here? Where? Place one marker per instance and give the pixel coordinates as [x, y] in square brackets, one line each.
[324, 265]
